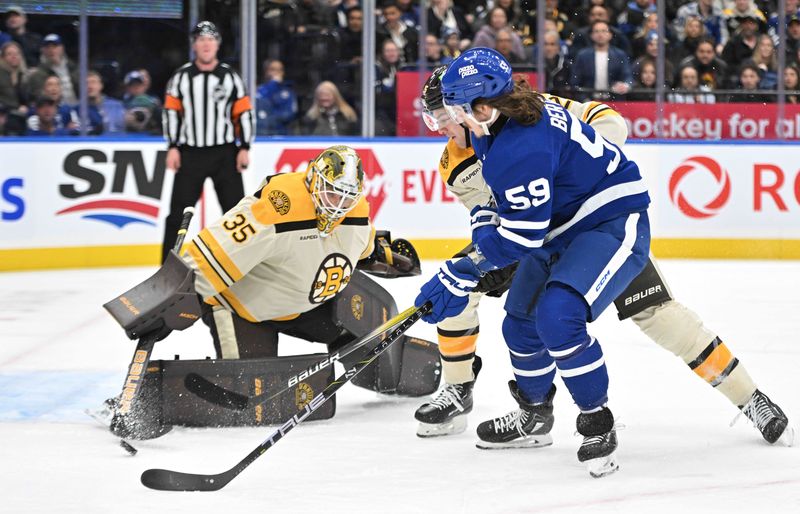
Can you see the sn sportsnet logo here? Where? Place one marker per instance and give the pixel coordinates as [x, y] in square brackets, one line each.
[95, 186]
[710, 204]
[466, 71]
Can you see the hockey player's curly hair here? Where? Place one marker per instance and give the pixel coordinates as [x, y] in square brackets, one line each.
[523, 104]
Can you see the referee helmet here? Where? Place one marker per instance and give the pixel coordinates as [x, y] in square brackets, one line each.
[205, 28]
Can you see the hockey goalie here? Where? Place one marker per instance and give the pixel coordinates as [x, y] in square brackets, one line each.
[290, 259]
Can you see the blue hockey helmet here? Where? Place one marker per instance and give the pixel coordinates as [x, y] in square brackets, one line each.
[477, 73]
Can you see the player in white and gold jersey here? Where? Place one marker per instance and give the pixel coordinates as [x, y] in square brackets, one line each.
[282, 261]
[647, 301]
[282, 253]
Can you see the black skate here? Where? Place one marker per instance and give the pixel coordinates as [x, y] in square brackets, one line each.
[769, 419]
[527, 427]
[599, 442]
[447, 413]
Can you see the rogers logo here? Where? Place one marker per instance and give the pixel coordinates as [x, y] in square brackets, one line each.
[297, 159]
[703, 165]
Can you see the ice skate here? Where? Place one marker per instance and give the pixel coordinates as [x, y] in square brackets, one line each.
[769, 419]
[447, 413]
[527, 427]
[599, 442]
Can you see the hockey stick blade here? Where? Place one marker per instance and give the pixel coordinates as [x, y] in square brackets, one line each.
[211, 392]
[218, 395]
[166, 480]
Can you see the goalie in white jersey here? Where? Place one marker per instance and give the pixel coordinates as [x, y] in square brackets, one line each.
[647, 301]
[282, 252]
[282, 261]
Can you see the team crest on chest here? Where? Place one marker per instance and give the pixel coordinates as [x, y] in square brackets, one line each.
[333, 276]
[280, 201]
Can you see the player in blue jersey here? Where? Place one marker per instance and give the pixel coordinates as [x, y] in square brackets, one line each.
[572, 210]
[647, 301]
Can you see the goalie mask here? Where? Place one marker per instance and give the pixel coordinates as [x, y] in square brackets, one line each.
[335, 180]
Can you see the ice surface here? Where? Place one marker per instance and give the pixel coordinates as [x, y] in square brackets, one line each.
[60, 353]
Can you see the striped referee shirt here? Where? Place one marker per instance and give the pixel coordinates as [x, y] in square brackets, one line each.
[207, 108]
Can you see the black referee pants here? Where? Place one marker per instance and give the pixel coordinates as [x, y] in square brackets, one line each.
[197, 164]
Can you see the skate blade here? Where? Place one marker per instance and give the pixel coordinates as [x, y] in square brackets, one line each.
[789, 437]
[602, 466]
[453, 426]
[531, 441]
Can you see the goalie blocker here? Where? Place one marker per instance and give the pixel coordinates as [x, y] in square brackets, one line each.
[409, 367]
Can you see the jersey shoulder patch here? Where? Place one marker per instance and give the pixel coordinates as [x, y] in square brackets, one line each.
[455, 160]
[283, 199]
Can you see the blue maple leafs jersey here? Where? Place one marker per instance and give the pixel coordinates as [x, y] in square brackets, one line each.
[552, 181]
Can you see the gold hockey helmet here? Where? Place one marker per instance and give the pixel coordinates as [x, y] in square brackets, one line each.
[335, 180]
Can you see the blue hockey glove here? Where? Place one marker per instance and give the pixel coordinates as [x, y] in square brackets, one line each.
[482, 215]
[449, 289]
[483, 220]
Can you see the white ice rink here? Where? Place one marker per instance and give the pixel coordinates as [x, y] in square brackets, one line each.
[60, 353]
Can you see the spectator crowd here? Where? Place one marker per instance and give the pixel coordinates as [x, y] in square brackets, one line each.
[715, 51]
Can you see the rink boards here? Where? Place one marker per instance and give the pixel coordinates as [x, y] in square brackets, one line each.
[89, 202]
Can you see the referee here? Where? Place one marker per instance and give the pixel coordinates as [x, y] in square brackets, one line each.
[207, 111]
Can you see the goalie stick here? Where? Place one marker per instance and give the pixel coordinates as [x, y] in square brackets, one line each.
[144, 348]
[218, 395]
[166, 480]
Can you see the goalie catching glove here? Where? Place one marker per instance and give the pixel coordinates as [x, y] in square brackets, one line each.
[448, 291]
[391, 259]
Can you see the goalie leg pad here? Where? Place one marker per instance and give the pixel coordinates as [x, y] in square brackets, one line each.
[408, 367]
[248, 377]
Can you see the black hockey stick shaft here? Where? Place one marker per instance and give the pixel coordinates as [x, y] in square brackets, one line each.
[141, 357]
[166, 480]
[218, 395]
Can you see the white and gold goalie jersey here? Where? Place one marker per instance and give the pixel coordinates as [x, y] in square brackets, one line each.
[461, 171]
[265, 260]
